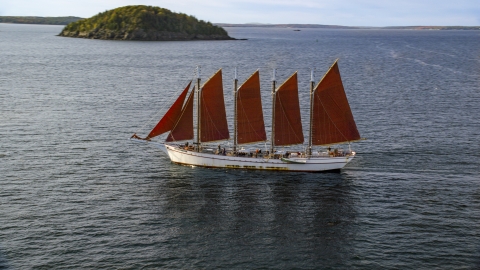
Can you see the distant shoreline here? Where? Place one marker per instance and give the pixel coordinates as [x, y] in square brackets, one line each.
[349, 27]
[68, 19]
[39, 20]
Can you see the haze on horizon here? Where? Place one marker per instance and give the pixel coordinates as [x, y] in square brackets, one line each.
[342, 12]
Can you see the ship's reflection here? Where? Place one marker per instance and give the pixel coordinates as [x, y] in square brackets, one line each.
[260, 219]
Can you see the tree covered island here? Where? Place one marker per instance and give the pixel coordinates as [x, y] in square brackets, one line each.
[144, 23]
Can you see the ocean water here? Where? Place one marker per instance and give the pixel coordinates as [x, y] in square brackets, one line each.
[75, 193]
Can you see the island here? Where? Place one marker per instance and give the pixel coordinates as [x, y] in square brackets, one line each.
[145, 23]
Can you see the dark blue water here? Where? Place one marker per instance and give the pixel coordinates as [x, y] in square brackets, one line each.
[76, 194]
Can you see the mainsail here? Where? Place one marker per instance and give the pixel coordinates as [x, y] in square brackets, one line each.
[213, 119]
[183, 128]
[332, 119]
[250, 124]
[170, 118]
[288, 122]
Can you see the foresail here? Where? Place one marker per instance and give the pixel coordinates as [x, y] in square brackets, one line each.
[332, 120]
[183, 128]
[288, 122]
[213, 119]
[170, 118]
[250, 124]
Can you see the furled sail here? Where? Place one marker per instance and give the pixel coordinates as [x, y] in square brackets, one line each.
[250, 125]
[170, 118]
[332, 117]
[183, 128]
[213, 118]
[288, 123]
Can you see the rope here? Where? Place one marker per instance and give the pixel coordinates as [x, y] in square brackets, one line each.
[288, 121]
[183, 112]
[243, 110]
[331, 118]
[162, 109]
[210, 118]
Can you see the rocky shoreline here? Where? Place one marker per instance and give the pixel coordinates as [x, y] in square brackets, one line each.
[141, 35]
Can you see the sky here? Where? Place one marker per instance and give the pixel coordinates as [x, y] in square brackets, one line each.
[338, 12]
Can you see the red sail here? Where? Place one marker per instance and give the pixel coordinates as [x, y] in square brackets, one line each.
[332, 117]
[170, 118]
[213, 119]
[250, 125]
[288, 123]
[183, 128]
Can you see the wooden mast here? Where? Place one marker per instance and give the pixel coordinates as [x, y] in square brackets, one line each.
[197, 144]
[273, 115]
[309, 149]
[235, 93]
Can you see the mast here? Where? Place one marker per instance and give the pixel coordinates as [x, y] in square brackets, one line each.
[309, 149]
[272, 140]
[235, 93]
[197, 144]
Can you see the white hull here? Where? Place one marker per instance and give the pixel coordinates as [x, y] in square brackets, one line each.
[313, 164]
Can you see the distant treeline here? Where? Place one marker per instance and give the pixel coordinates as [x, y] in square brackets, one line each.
[147, 18]
[434, 27]
[160, 19]
[39, 20]
[349, 27]
[286, 25]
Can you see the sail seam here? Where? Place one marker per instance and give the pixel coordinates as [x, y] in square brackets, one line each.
[167, 119]
[288, 121]
[328, 115]
[155, 116]
[210, 120]
[246, 115]
[183, 111]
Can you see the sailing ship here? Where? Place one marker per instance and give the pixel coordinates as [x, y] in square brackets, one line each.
[331, 122]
